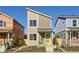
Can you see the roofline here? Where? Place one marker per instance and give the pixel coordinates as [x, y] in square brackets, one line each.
[6, 15]
[18, 22]
[38, 12]
[69, 16]
[11, 18]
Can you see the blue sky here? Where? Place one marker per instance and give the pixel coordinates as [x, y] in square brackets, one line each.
[19, 12]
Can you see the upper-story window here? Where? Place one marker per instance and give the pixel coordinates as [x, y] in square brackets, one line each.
[74, 22]
[2, 23]
[32, 22]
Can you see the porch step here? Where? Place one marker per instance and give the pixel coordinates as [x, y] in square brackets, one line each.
[41, 45]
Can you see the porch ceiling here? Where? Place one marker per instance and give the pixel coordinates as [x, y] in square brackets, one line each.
[45, 30]
[73, 28]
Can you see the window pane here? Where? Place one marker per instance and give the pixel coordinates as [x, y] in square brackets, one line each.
[4, 24]
[77, 35]
[74, 22]
[32, 22]
[1, 23]
[32, 36]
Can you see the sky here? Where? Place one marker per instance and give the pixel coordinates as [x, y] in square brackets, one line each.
[20, 12]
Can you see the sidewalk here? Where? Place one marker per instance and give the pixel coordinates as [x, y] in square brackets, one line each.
[14, 49]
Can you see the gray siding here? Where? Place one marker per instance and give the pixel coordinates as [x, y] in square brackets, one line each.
[69, 22]
[61, 25]
[44, 22]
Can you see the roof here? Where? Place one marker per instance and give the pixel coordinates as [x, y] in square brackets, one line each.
[64, 18]
[11, 18]
[38, 13]
[45, 29]
[18, 23]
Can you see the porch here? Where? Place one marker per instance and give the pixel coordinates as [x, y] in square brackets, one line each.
[72, 37]
[5, 40]
[45, 36]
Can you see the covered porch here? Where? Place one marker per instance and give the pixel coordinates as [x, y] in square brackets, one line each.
[5, 40]
[72, 37]
[45, 36]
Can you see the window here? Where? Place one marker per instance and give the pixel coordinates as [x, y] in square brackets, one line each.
[74, 22]
[32, 36]
[1, 23]
[4, 24]
[32, 22]
[74, 34]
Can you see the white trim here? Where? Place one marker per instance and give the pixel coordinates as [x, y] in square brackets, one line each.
[70, 37]
[38, 12]
[60, 30]
[5, 15]
[37, 21]
[66, 36]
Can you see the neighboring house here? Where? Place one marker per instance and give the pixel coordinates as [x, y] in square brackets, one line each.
[39, 27]
[11, 32]
[67, 27]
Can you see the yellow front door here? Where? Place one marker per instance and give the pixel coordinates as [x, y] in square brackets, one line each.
[48, 38]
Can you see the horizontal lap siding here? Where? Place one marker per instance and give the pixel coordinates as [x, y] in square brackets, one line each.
[73, 41]
[9, 22]
[18, 31]
[44, 22]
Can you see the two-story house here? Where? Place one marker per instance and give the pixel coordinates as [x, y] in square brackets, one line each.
[11, 32]
[39, 27]
[67, 27]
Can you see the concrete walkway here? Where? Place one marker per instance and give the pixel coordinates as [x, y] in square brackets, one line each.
[19, 49]
[62, 49]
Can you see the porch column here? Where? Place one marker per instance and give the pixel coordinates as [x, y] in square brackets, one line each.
[8, 37]
[70, 37]
[78, 37]
[66, 37]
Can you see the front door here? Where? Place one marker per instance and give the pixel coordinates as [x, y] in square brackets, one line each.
[48, 38]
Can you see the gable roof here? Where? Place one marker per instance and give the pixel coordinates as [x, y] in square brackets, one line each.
[11, 18]
[39, 13]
